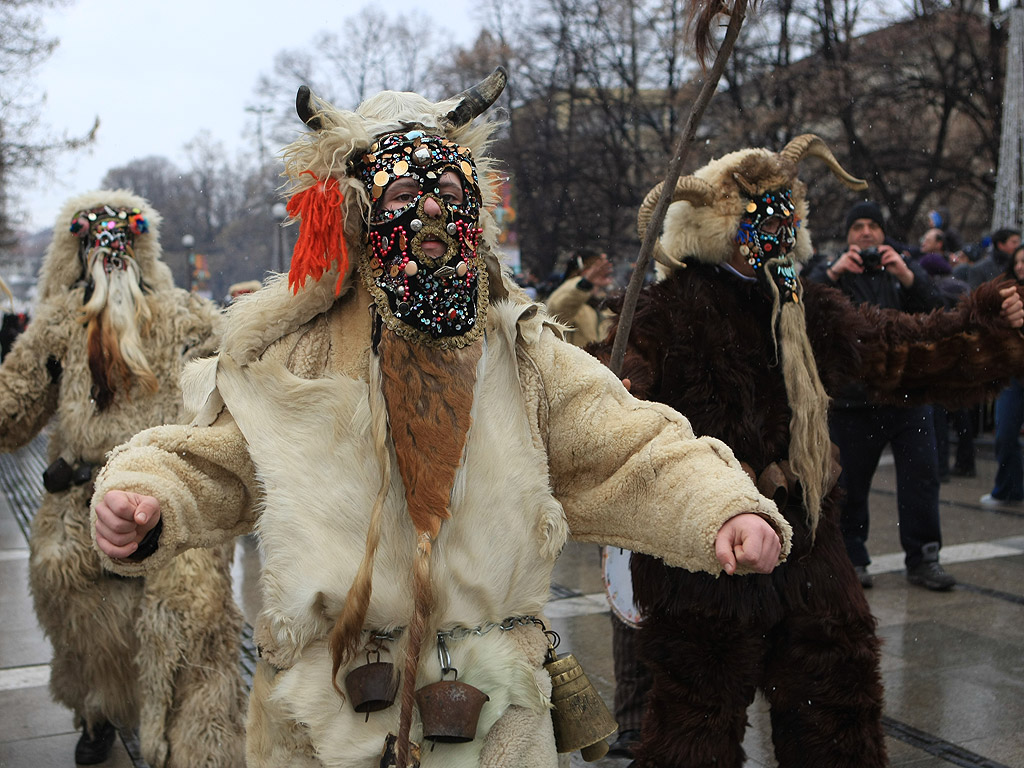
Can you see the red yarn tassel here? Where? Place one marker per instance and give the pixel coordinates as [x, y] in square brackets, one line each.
[321, 233]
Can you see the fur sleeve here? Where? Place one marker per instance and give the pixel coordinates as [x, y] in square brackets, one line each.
[29, 379]
[952, 358]
[631, 473]
[566, 300]
[201, 475]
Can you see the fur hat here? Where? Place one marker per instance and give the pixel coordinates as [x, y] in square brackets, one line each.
[865, 210]
[62, 267]
[704, 218]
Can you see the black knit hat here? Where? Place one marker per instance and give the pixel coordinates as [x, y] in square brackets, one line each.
[865, 210]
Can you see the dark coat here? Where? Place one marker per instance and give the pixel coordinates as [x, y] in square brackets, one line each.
[701, 343]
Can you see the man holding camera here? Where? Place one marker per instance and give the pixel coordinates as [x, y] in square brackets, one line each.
[872, 272]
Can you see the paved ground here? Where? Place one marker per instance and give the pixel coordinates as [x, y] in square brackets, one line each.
[953, 663]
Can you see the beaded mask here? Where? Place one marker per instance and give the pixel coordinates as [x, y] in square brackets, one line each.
[766, 237]
[438, 300]
[108, 233]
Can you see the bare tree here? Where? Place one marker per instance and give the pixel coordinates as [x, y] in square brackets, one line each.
[907, 99]
[24, 145]
[370, 52]
[595, 113]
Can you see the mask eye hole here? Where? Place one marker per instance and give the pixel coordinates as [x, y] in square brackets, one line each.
[772, 225]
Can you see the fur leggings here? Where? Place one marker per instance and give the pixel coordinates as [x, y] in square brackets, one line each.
[160, 653]
[803, 635]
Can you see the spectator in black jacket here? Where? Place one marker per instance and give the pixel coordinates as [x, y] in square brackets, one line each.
[871, 272]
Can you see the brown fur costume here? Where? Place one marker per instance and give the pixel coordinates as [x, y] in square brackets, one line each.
[160, 653]
[701, 342]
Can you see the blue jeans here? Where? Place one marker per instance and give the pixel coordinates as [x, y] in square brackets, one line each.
[1009, 484]
[861, 434]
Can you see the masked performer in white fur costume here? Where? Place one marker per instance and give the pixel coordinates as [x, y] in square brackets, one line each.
[413, 442]
[100, 361]
[749, 351]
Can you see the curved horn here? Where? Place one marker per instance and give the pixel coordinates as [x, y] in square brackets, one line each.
[477, 99]
[750, 190]
[304, 107]
[809, 144]
[695, 191]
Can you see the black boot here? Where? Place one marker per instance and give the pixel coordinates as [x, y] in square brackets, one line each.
[94, 749]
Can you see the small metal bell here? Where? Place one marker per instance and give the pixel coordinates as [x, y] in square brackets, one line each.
[580, 717]
[372, 686]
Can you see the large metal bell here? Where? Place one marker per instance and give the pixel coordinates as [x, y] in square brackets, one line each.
[580, 717]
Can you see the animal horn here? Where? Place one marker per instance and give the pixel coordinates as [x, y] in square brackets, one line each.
[809, 144]
[304, 106]
[477, 99]
[748, 189]
[695, 191]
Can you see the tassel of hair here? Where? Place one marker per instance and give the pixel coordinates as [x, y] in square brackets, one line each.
[809, 446]
[321, 233]
[423, 599]
[347, 631]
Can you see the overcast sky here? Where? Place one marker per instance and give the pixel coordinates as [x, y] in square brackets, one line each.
[157, 73]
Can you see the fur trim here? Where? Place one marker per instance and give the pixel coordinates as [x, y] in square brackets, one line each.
[256, 320]
[61, 267]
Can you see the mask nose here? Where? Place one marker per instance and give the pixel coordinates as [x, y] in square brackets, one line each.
[431, 208]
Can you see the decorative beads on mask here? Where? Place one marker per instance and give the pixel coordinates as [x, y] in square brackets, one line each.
[767, 236]
[439, 300]
[110, 233]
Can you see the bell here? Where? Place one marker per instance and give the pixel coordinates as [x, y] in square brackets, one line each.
[580, 717]
[450, 710]
[373, 686]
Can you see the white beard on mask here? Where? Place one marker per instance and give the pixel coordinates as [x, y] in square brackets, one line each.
[116, 314]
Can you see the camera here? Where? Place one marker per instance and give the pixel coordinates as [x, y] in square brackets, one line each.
[871, 259]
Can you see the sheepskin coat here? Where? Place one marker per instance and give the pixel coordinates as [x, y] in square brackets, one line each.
[161, 653]
[701, 342]
[283, 444]
[587, 319]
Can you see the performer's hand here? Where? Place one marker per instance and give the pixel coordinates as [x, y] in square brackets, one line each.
[122, 520]
[750, 541]
[1012, 310]
[599, 272]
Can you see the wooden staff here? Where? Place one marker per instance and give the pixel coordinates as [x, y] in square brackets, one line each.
[675, 166]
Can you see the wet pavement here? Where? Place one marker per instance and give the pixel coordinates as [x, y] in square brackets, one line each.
[952, 663]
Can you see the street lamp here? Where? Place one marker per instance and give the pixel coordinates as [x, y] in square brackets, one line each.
[188, 243]
[279, 211]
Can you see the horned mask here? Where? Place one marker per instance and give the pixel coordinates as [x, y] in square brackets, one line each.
[750, 204]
